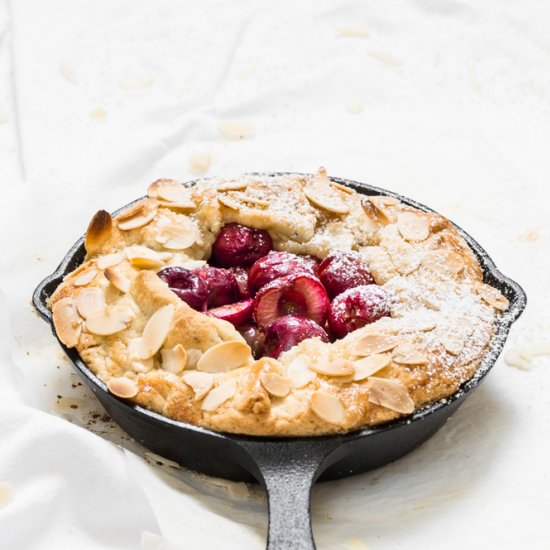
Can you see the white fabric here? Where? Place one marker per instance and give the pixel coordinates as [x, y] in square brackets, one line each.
[444, 101]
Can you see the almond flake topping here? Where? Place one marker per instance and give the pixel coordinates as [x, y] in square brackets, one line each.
[85, 278]
[390, 394]
[98, 231]
[445, 261]
[413, 226]
[407, 355]
[369, 365]
[225, 356]
[326, 200]
[123, 387]
[230, 202]
[327, 407]
[383, 209]
[334, 367]
[299, 373]
[174, 359]
[90, 300]
[453, 344]
[107, 322]
[219, 395]
[232, 186]
[493, 297]
[146, 258]
[275, 384]
[171, 193]
[118, 279]
[156, 330]
[138, 364]
[200, 382]
[177, 236]
[136, 216]
[109, 260]
[253, 200]
[68, 324]
[372, 344]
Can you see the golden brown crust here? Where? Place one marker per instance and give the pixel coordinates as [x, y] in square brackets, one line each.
[442, 315]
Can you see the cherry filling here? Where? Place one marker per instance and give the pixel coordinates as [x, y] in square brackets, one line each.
[278, 299]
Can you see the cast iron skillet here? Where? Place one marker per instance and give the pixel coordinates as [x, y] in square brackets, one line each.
[288, 467]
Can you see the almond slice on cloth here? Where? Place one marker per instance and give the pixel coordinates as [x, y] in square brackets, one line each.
[408, 355]
[299, 372]
[200, 382]
[109, 260]
[275, 384]
[372, 344]
[225, 356]
[174, 359]
[118, 279]
[370, 365]
[156, 330]
[326, 200]
[85, 278]
[327, 407]
[145, 258]
[492, 296]
[219, 395]
[177, 236]
[333, 367]
[98, 231]
[136, 216]
[122, 387]
[390, 394]
[67, 322]
[107, 322]
[413, 226]
[90, 300]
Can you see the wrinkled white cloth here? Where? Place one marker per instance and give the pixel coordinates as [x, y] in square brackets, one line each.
[444, 101]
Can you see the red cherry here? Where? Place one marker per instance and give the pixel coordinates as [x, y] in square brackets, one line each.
[237, 314]
[342, 271]
[242, 281]
[356, 308]
[240, 246]
[299, 294]
[255, 338]
[187, 285]
[279, 264]
[288, 331]
[221, 284]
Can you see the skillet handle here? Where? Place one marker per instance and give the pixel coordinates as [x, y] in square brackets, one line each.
[287, 470]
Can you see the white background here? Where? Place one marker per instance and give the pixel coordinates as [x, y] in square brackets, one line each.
[444, 101]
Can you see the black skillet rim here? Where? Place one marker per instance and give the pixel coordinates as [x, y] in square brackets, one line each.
[491, 274]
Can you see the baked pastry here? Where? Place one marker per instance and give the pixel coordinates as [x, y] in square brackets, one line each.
[277, 305]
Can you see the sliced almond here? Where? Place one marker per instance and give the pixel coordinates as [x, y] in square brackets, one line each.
[90, 300]
[230, 202]
[98, 231]
[333, 367]
[118, 279]
[299, 372]
[445, 261]
[390, 394]
[156, 330]
[326, 200]
[383, 209]
[342, 188]
[225, 356]
[177, 236]
[171, 193]
[493, 297]
[453, 344]
[109, 260]
[67, 323]
[370, 365]
[408, 355]
[85, 278]
[123, 387]
[327, 407]
[107, 322]
[145, 258]
[219, 395]
[413, 226]
[371, 344]
[174, 359]
[275, 384]
[253, 200]
[388, 201]
[232, 186]
[201, 382]
[138, 219]
[138, 364]
[191, 265]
